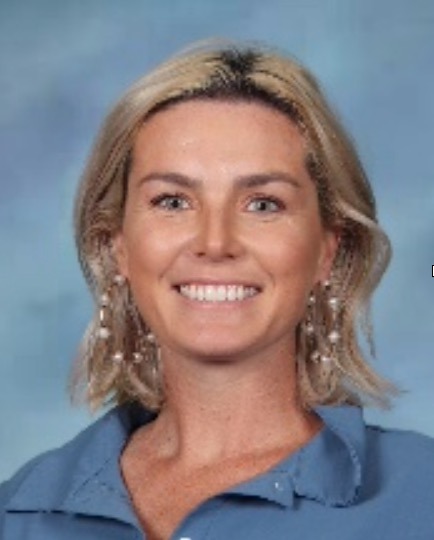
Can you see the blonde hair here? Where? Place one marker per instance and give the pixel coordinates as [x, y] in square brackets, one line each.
[237, 73]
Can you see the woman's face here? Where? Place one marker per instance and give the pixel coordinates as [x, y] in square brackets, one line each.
[222, 240]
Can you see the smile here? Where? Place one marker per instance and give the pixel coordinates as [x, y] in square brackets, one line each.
[217, 293]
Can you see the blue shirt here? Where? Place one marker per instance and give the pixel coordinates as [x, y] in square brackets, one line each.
[350, 482]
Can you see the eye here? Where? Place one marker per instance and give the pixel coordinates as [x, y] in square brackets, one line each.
[265, 205]
[170, 201]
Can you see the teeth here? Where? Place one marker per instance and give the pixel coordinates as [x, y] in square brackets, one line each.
[217, 293]
[231, 294]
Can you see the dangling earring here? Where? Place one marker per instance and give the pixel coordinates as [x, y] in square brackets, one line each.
[322, 326]
[333, 335]
[104, 332]
[145, 339]
[146, 346]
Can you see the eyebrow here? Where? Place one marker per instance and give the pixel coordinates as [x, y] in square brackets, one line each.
[243, 181]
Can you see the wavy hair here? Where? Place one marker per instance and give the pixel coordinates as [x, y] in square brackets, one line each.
[246, 73]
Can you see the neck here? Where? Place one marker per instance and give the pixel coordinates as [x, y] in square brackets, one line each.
[218, 410]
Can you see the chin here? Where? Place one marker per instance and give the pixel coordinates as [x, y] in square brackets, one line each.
[221, 352]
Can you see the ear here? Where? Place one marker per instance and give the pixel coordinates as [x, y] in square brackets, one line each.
[120, 253]
[330, 245]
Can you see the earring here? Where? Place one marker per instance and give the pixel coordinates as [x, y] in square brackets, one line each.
[146, 343]
[333, 335]
[322, 326]
[103, 331]
[147, 348]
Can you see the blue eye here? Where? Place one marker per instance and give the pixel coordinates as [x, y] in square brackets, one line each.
[172, 202]
[265, 205]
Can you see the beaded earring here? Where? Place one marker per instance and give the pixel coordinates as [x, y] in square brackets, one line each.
[146, 343]
[103, 331]
[322, 327]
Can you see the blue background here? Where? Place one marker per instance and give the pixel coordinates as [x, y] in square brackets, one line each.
[63, 63]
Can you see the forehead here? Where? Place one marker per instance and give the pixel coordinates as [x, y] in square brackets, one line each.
[212, 133]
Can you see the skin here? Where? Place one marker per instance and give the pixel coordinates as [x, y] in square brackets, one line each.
[193, 215]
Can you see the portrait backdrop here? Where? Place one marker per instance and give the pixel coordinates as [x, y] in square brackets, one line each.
[64, 63]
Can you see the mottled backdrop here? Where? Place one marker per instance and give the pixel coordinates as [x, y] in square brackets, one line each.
[63, 63]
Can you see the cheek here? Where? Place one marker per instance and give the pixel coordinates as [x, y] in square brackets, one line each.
[294, 273]
[293, 253]
[147, 258]
[150, 248]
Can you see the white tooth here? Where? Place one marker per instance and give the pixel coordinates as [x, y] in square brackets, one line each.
[231, 293]
[209, 293]
[221, 293]
[200, 293]
[217, 293]
[192, 292]
[185, 290]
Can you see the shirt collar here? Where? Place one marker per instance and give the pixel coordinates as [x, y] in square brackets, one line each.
[328, 469]
[84, 477]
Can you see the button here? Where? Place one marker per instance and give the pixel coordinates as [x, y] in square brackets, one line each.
[278, 486]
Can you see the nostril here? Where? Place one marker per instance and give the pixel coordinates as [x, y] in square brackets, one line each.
[217, 236]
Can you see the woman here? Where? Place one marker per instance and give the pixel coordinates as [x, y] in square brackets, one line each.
[229, 235]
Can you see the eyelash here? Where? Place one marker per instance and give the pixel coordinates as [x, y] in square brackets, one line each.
[162, 202]
[274, 200]
[164, 197]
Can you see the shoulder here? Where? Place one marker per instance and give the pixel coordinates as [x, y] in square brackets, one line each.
[48, 475]
[405, 446]
[48, 480]
[403, 459]
[9, 487]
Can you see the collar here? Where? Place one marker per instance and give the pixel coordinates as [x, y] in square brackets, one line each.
[329, 469]
[83, 477]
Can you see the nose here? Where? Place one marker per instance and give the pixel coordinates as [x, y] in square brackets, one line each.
[217, 235]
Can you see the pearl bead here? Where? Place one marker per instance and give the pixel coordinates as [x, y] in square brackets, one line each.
[315, 356]
[137, 358]
[333, 303]
[310, 329]
[334, 337]
[118, 357]
[150, 338]
[103, 332]
[104, 300]
[119, 279]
